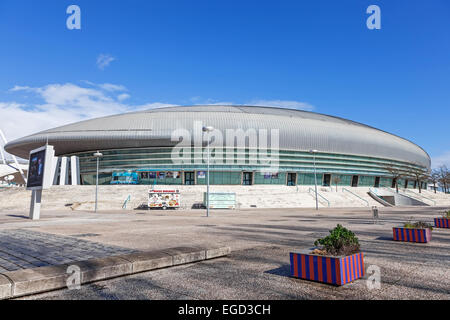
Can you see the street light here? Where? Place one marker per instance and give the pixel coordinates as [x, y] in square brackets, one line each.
[97, 155]
[207, 129]
[315, 176]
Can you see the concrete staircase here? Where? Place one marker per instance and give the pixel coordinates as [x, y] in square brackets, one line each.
[440, 198]
[257, 196]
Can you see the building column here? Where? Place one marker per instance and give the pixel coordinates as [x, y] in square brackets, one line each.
[75, 170]
[56, 164]
[63, 173]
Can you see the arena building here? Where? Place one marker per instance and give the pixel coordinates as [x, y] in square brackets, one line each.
[138, 148]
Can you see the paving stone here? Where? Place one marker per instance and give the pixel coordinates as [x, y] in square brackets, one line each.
[22, 248]
[5, 287]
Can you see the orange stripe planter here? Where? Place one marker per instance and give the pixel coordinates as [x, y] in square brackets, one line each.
[411, 234]
[327, 269]
[442, 223]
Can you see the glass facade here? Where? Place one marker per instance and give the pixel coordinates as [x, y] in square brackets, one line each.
[155, 166]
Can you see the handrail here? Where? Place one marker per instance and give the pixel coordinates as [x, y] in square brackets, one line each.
[128, 199]
[402, 191]
[418, 195]
[367, 202]
[311, 189]
[374, 194]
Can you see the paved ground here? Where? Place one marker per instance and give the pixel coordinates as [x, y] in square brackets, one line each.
[258, 267]
[21, 249]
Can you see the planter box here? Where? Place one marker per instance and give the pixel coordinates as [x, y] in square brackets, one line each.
[412, 235]
[442, 223]
[327, 269]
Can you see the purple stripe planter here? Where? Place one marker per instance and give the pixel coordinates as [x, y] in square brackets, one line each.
[411, 234]
[327, 269]
[442, 223]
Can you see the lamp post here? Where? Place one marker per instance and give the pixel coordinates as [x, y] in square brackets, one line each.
[207, 129]
[315, 176]
[97, 155]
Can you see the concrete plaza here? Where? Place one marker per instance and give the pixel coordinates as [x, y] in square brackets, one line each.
[258, 266]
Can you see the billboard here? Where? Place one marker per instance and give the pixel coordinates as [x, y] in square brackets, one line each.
[40, 168]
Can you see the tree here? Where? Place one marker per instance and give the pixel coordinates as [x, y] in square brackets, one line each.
[444, 177]
[434, 178]
[336, 181]
[419, 175]
[396, 174]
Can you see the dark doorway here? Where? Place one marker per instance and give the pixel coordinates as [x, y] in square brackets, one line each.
[247, 178]
[291, 179]
[189, 178]
[355, 181]
[377, 182]
[394, 183]
[406, 184]
[326, 180]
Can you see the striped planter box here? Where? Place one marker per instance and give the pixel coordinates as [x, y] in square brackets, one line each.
[442, 222]
[412, 235]
[327, 269]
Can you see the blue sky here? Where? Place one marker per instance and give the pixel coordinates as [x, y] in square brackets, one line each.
[314, 55]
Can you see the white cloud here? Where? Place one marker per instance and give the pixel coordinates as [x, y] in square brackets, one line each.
[283, 104]
[112, 87]
[443, 159]
[20, 88]
[103, 60]
[123, 96]
[62, 104]
[289, 104]
[154, 105]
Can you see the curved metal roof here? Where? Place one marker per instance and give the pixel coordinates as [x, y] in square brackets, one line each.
[298, 130]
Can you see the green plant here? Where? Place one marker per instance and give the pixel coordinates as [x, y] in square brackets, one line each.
[418, 225]
[340, 241]
[446, 214]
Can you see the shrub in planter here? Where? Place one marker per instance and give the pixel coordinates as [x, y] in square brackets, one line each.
[338, 261]
[444, 221]
[413, 232]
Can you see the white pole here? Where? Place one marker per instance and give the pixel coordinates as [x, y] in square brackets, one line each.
[315, 176]
[207, 129]
[207, 186]
[96, 186]
[97, 155]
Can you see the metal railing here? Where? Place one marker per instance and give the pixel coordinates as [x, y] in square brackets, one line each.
[417, 196]
[407, 193]
[373, 192]
[361, 198]
[321, 196]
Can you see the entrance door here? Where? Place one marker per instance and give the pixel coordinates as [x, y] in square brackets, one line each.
[394, 183]
[247, 178]
[355, 181]
[377, 182]
[406, 184]
[326, 180]
[189, 178]
[291, 179]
